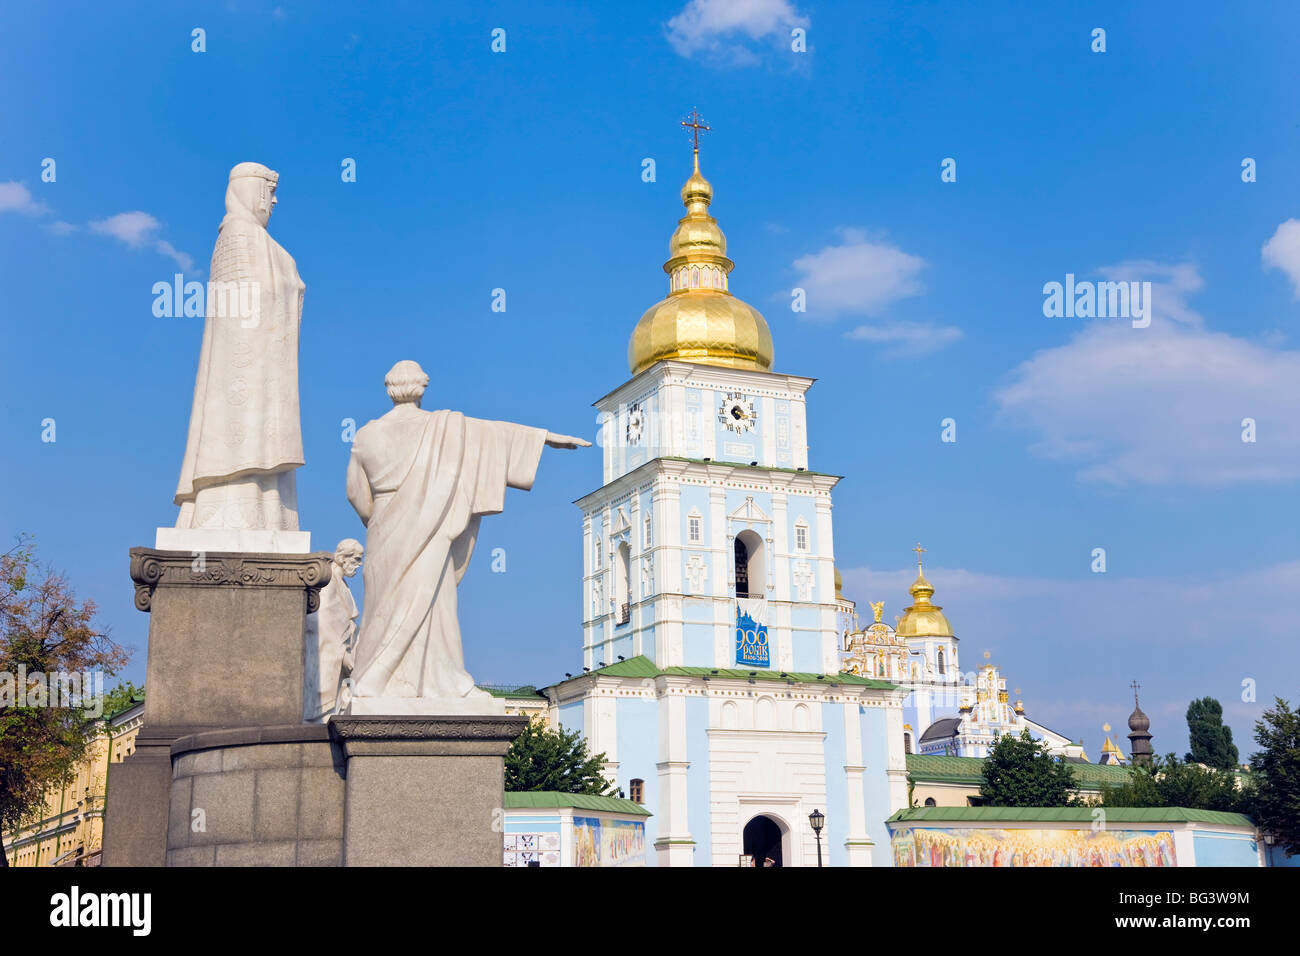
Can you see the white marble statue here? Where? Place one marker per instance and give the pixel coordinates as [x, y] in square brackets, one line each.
[331, 636]
[245, 439]
[421, 481]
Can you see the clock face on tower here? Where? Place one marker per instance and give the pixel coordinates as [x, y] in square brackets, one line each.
[635, 424]
[737, 413]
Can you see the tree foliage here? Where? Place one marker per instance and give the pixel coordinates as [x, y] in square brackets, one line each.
[43, 629]
[1277, 774]
[543, 759]
[1211, 740]
[1168, 782]
[121, 697]
[1021, 772]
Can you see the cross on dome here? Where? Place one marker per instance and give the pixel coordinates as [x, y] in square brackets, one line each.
[695, 126]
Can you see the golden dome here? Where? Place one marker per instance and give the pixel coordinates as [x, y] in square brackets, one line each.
[923, 619]
[700, 321]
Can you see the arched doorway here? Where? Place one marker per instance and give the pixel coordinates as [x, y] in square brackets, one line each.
[763, 841]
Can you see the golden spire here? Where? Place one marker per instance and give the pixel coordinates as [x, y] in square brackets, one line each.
[700, 321]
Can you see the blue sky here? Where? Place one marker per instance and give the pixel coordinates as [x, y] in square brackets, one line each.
[522, 170]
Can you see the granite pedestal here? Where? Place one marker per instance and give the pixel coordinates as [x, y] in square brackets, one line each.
[225, 651]
[360, 791]
[424, 791]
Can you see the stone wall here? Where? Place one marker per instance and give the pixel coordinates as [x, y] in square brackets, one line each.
[257, 797]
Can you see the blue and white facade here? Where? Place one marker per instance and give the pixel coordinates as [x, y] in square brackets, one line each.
[709, 724]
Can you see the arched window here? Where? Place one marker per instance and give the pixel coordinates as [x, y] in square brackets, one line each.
[929, 801]
[695, 277]
[742, 569]
[907, 743]
[636, 790]
[941, 670]
[622, 567]
[750, 574]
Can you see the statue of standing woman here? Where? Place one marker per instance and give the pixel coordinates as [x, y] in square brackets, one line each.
[245, 439]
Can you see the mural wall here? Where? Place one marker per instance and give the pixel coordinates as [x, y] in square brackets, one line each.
[925, 846]
[599, 842]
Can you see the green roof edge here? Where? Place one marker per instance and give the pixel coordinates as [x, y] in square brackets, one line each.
[1069, 815]
[642, 666]
[556, 800]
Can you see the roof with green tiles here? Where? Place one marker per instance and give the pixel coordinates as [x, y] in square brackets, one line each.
[1068, 815]
[642, 667]
[527, 691]
[554, 800]
[937, 768]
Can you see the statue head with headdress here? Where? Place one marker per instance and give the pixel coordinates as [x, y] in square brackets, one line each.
[250, 193]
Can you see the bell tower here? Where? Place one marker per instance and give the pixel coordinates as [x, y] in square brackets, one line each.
[709, 543]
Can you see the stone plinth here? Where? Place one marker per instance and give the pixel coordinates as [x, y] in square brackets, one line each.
[225, 650]
[424, 791]
[261, 796]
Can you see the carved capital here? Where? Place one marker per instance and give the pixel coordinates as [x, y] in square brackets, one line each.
[151, 569]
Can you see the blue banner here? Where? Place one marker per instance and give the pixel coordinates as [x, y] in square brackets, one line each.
[751, 641]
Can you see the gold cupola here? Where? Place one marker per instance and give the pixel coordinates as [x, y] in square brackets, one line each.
[700, 321]
[923, 619]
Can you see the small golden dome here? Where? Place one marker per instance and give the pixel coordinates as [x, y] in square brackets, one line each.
[700, 321]
[839, 584]
[923, 619]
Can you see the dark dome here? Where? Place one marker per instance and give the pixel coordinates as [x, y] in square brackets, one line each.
[1138, 721]
[941, 729]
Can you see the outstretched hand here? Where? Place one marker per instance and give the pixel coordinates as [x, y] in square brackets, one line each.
[565, 441]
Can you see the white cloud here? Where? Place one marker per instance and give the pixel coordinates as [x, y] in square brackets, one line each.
[15, 197]
[183, 259]
[1283, 252]
[1170, 285]
[133, 228]
[726, 31]
[905, 339]
[61, 228]
[861, 276]
[137, 229]
[1164, 404]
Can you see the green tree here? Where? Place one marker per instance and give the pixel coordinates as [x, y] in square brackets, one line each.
[542, 759]
[43, 629]
[1021, 772]
[1277, 774]
[1168, 782]
[1211, 741]
[121, 697]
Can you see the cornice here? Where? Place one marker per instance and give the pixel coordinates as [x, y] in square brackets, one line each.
[152, 569]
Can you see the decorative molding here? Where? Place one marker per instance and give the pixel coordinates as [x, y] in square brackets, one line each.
[151, 569]
[344, 729]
